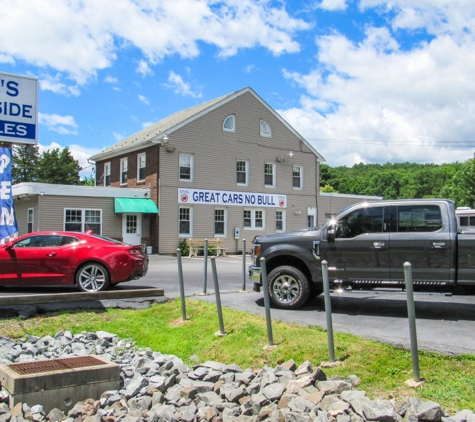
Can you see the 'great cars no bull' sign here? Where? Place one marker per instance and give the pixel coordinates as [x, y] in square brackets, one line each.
[18, 109]
[218, 197]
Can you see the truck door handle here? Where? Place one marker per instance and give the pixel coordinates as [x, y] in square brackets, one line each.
[438, 245]
[379, 245]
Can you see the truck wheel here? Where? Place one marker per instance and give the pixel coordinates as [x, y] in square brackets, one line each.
[288, 287]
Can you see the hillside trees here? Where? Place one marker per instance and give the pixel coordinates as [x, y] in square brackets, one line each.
[454, 181]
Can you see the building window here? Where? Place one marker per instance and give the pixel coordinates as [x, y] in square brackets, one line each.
[30, 219]
[310, 221]
[269, 175]
[280, 221]
[253, 219]
[107, 174]
[81, 220]
[186, 167]
[229, 124]
[297, 177]
[141, 166]
[123, 171]
[265, 129]
[185, 222]
[219, 222]
[242, 172]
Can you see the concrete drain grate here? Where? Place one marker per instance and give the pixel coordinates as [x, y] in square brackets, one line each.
[38, 367]
[59, 382]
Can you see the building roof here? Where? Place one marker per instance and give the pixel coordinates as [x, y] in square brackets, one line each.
[155, 132]
[26, 189]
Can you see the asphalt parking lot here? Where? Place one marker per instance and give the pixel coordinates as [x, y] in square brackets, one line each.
[444, 323]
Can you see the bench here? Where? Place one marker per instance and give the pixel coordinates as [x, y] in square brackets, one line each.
[198, 245]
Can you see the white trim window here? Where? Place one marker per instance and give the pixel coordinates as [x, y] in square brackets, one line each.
[229, 124]
[186, 167]
[82, 220]
[220, 222]
[242, 172]
[185, 222]
[269, 175]
[280, 221]
[30, 220]
[264, 129]
[253, 219]
[297, 177]
[107, 174]
[141, 166]
[124, 164]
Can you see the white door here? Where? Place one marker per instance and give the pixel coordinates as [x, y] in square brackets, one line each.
[132, 228]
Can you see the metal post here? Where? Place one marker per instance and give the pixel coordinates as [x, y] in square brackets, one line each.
[265, 286]
[218, 297]
[328, 310]
[411, 313]
[243, 264]
[182, 285]
[205, 270]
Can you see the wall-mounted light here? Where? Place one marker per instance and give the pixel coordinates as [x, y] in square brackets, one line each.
[170, 149]
[288, 156]
[164, 140]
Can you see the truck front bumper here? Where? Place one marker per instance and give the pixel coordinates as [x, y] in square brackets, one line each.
[255, 276]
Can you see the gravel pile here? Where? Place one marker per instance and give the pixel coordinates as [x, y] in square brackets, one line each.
[158, 387]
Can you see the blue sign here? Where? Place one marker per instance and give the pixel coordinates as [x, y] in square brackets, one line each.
[18, 109]
[8, 223]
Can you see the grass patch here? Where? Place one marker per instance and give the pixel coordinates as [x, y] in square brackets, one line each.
[383, 369]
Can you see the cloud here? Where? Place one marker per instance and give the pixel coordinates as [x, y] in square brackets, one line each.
[144, 99]
[65, 125]
[118, 136]
[181, 87]
[375, 101]
[143, 69]
[110, 79]
[54, 84]
[79, 38]
[332, 4]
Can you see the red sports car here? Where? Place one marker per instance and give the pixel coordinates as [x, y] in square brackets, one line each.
[90, 261]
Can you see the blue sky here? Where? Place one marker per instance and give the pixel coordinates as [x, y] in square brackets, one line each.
[364, 81]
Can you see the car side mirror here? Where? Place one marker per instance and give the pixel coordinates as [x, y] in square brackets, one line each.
[331, 232]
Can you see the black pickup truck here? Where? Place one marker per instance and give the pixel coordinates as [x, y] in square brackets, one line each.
[366, 247]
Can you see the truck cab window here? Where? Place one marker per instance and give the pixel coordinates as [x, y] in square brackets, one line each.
[360, 221]
[417, 218]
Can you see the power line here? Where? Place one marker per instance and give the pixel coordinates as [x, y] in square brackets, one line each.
[452, 144]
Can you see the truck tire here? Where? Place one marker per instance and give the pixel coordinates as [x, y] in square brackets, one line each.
[288, 287]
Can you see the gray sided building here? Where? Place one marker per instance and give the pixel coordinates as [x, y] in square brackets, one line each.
[230, 168]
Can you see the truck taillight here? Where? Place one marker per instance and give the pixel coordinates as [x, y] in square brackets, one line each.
[257, 249]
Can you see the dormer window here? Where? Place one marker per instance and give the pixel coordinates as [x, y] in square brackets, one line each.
[265, 130]
[229, 124]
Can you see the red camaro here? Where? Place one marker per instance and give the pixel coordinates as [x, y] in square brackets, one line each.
[91, 262]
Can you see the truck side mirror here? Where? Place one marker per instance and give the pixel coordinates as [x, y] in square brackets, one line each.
[331, 232]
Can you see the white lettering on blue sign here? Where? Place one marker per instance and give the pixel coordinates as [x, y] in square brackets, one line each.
[8, 224]
[215, 197]
[18, 108]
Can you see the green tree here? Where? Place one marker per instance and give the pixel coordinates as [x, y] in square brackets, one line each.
[58, 167]
[461, 187]
[25, 164]
[88, 181]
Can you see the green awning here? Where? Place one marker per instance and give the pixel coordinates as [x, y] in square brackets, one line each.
[146, 206]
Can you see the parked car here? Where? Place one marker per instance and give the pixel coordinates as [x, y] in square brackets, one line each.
[366, 247]
[91, 262]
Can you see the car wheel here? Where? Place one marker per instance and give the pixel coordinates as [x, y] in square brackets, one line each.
[92, 277]
[288, 287]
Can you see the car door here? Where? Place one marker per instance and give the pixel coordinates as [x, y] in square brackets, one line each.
[360, 249]
[418, 236]
[38, 260]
